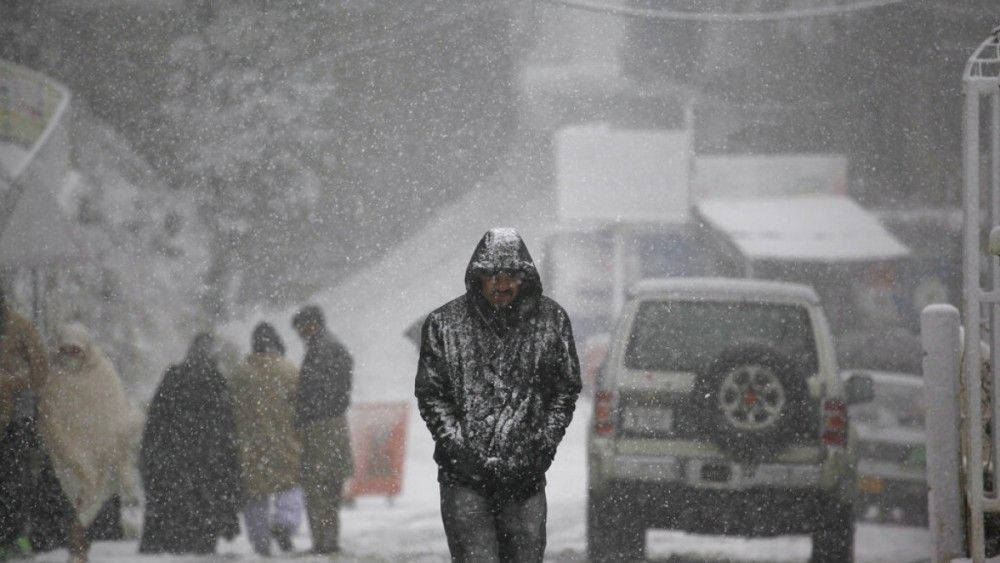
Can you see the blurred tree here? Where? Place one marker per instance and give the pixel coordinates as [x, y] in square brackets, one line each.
[880, 85]
[316, 135]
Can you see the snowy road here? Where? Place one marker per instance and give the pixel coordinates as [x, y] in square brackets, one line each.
[409, 529]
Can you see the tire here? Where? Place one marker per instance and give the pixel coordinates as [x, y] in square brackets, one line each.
[755, 401]
[833, 540]
[611, 535]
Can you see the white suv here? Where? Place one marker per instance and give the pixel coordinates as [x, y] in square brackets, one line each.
[720, 411]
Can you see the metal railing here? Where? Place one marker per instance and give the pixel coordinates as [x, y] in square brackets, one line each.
[962, 399]
[980, 80]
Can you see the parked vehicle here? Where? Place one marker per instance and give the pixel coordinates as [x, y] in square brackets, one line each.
[891, 450]
[720, 410]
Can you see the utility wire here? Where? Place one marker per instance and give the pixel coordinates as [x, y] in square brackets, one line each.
[403, 29]
[723, 17]
[950, 10]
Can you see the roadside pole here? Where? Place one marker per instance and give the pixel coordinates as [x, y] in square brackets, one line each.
[939, 326]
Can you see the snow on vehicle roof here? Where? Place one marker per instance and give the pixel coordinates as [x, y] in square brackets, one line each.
[726, 289]
[818, 228]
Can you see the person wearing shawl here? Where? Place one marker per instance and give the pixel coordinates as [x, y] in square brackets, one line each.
[264, 390]
[88, 428]
[189, 460]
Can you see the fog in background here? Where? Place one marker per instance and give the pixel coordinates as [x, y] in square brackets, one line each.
[239, 156]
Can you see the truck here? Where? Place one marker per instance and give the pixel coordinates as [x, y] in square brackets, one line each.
[634, 204]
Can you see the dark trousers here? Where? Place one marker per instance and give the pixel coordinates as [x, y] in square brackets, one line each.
[326, 463]
[16, 478]
[480, 532]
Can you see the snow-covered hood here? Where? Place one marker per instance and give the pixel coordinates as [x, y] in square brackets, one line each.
[502, 249]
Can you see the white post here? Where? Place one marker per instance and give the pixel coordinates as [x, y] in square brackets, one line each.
[939, 327]
[973, 314]
[619, 283]
[994, 316]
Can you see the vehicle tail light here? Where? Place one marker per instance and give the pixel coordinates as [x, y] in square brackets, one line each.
[604, 423]
[834, 422]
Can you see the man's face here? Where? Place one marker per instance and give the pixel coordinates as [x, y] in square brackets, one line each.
[306, 330]
[71, 356]
[501, 288]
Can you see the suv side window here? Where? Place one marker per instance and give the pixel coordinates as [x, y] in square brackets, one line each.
[687, 335]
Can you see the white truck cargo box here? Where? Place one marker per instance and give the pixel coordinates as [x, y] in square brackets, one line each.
[622, 175]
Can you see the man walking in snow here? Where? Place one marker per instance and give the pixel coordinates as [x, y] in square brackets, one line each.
[497, 383]
[321, 418]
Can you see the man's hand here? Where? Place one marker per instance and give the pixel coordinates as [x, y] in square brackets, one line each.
[508, 471]
[499, 469]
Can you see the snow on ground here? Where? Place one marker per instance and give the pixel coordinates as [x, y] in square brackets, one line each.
[408, 529]
[372, 310]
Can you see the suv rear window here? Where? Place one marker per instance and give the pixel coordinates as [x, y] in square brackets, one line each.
[686, 335]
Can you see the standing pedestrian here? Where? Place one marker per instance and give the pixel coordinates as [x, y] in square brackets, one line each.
[23, 370]
[189, 459]
[88, 428]
[264, 390]
[321, 418]
[497, 383]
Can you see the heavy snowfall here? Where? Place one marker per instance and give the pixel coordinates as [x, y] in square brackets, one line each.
[173, 168]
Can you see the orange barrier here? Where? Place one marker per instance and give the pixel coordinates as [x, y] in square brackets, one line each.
[378, 437]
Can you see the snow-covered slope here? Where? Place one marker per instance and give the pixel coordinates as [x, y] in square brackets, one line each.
[145, 255]
[371, 310]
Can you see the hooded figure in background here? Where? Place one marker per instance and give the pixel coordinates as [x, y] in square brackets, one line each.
[88, 428]
[264, 392]
[497, 383]
[189, 460]
[321, 420]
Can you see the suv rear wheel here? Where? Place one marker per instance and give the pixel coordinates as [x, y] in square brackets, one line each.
[833, 541]
[754, 395]
[612, 536]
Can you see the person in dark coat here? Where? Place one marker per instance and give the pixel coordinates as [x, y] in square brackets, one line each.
[497, 383]
[189, 461]
[23, 371]
[321, 419]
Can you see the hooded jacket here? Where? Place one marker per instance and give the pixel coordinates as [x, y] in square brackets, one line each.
[88, 426]
[497, 386]
[189, 460]
[325, 379]
[264, 389]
